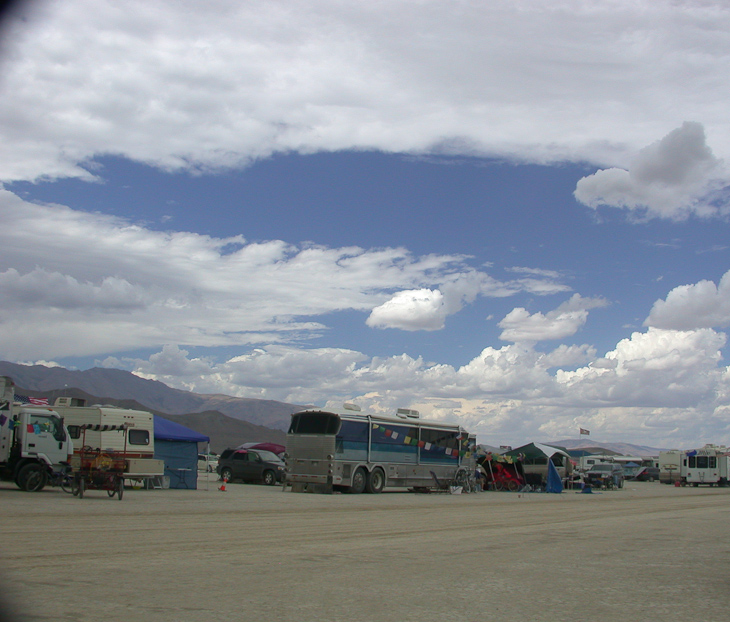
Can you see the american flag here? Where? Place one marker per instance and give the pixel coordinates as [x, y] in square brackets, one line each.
[31, 401]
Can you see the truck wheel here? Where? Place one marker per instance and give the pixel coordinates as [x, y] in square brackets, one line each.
[32, 477]
[120, 488]
[82, 487]
[226, 474]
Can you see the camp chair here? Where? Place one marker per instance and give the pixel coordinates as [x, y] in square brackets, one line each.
[441, 486]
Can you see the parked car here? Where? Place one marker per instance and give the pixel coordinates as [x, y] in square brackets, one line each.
[251, 465]
[605, 475]
[648, 474]
[207, 462]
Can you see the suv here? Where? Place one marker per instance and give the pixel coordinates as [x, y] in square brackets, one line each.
[251, 465]
[609, 475]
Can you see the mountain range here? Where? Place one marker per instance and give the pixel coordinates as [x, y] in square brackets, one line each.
[227, 420]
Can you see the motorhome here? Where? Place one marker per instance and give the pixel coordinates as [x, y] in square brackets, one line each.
[109, 428]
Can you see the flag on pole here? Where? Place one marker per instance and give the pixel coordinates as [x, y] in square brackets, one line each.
[584, 431]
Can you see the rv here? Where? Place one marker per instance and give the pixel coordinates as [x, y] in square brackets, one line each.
[109, 428]
[709, 465]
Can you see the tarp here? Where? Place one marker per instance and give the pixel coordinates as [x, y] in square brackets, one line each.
[537, 450]
[170, 431]
[177, 446]
[554, 484]
[272, 447]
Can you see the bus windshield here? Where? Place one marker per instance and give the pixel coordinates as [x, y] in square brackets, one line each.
[314, 423]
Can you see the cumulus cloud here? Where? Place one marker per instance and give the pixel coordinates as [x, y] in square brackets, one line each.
[421, 309]
[210, 86]
[663, 385]
[672, 178]
[701, 305]
[519, 325]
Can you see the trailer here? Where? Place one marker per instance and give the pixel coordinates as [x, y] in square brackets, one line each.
[669, 465]
[709, 465]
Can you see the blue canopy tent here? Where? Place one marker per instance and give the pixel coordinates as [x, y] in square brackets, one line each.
[177, 446]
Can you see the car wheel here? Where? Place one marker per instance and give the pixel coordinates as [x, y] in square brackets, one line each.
[375, 481]
[269, 478]
[226, 474]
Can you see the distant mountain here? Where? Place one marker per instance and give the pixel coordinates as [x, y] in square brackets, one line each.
[109, 385]
[624, 449]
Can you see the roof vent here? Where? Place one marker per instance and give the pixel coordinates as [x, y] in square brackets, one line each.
[407, 413]
[349, 406]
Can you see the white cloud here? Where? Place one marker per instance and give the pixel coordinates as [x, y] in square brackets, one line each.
[660, 387]
[519, 325]
[421, 309]
[206, 86]
[89, 284]
[672, 178]
[701, 305]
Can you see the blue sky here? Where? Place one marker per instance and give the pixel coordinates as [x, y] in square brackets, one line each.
[506, 214]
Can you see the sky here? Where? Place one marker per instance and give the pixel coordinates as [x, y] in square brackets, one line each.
[511, 214]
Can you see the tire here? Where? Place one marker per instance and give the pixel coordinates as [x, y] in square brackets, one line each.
[227, 474]
[513, 486]
[67, 484]
[120, 488]
[32, 477]
[82, 487]
[375, 481]
[111, 493]
[269, 478]
[359, 481]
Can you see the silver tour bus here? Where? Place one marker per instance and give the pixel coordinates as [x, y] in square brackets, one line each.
[353, 452]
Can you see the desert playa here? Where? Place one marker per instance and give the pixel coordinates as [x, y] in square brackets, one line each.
[646, 552]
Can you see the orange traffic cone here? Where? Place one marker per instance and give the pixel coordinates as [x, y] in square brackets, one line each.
[223, 485]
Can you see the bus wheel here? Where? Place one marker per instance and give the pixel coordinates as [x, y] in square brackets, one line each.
[359, 479]
[375, 481]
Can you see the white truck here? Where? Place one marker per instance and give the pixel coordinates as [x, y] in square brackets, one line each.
[708, 465]
[34, 442]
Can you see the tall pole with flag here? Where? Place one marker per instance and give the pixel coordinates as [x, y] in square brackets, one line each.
[584, 432]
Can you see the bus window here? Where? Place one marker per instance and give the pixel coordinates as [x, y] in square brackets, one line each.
[352, 440]
[314, 423]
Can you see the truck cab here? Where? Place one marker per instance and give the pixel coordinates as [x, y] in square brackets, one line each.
[34, 441]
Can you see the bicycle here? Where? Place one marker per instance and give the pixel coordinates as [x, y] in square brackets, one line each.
[62, 479]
